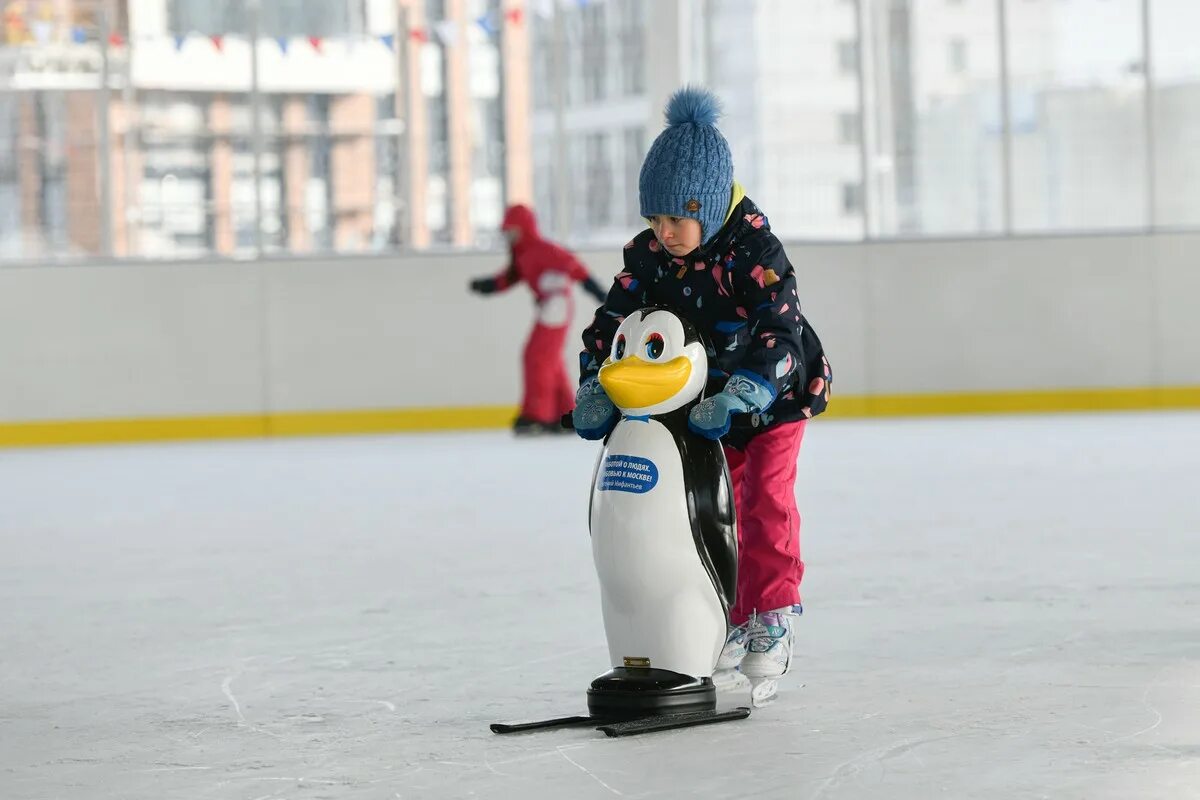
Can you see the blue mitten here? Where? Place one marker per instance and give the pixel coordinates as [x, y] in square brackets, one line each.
[594, 415]
[744, 393]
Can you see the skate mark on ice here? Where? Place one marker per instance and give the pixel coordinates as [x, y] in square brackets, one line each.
[1146, 704]
[386, 704]
[533, 756]
[561, 749]
[1112, 737]
[225, 684]
[488, 763]
[237, 707]
[854, 765]
[491, 765]
[302, 779]
[1147, 729]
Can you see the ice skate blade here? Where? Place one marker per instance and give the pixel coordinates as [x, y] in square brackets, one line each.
[728, 680]
[764, 690]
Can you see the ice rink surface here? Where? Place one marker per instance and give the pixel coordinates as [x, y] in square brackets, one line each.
[995, 608]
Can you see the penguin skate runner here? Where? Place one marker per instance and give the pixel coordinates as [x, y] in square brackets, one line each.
[664, 540]
[710, 257]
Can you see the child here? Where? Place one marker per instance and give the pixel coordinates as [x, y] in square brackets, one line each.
[711, 257]
[550, 271]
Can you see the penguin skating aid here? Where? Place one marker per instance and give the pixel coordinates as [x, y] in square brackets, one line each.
[664, 540]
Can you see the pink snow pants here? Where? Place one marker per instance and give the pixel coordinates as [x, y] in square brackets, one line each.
[768, 521]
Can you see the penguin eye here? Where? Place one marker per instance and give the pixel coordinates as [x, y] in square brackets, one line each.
[655, 345]
[619, 351]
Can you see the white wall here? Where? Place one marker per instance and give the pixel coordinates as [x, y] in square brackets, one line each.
[129, 341]
[132, 340]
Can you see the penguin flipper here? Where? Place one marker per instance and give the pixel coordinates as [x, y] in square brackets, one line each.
[710, 506]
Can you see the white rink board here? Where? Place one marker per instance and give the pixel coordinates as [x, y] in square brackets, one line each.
[135, 340]
[996, 608]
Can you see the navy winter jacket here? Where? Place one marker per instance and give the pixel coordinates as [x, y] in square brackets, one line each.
[739, 291]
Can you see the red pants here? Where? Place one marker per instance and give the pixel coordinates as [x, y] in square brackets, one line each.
[768, 521]
[548, 392]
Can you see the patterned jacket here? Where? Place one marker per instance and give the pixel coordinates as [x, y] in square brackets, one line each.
[739, 291]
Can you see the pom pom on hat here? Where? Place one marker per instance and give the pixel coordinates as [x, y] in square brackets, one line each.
[693, 105]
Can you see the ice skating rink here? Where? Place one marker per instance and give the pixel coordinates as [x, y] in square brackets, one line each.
[995, 608]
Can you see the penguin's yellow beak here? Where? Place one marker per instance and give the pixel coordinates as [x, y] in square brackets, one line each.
[634, 383]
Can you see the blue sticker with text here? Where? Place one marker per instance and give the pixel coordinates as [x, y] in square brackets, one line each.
[627, 474]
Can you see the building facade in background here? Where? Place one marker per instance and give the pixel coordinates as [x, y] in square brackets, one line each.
[382, 125]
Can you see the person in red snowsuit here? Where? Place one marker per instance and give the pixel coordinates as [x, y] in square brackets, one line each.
[551, 272]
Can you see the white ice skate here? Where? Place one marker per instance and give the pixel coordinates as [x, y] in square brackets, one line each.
[769, 652]
[726, 675]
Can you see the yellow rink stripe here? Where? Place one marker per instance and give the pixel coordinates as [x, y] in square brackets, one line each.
[316, 423]
[238, 426]
[1027, 402]
[147, 429]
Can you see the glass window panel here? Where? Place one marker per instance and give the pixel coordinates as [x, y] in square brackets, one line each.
[788, 111]
[11, 245]
[389, 202]
[318, 190]
[958, 56]
[543, 187]
[541, 56]
[50, 114]
[293, 18]
[852, 198]
[175, 191]
[486, 77]
[849, 127]
[1077, 115]
[847, 56]
[434, 73]
[630, 39]
[48, 206]
[1173, 28]
[931, 130]
[634, 148]
[593, 52]
[598, 186]
[933, 102]
[207, 17]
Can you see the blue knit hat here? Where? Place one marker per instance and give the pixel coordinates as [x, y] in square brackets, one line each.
[688, 171]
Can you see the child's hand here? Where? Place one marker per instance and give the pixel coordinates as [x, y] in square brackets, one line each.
[594, 415]
[711, 417]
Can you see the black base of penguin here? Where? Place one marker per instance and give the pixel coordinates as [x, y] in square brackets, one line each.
[627, 701]
[626, 692]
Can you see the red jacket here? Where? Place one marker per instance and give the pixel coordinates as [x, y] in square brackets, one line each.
[549, 270]
[546, 267]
